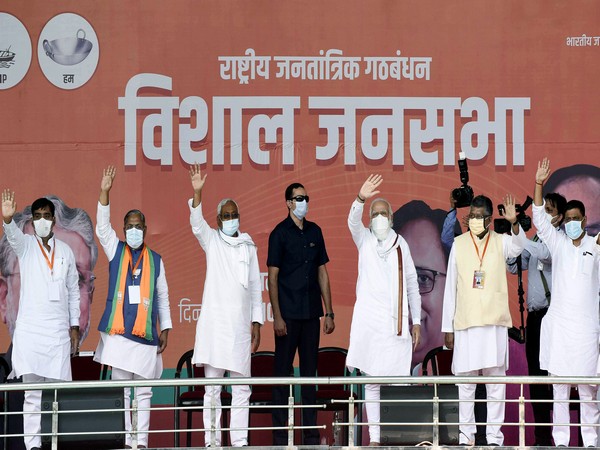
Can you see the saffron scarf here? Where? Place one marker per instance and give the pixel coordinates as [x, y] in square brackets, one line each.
[143, 320]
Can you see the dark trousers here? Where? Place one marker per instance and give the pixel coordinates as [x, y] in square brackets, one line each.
[302, 335]
[541, 411]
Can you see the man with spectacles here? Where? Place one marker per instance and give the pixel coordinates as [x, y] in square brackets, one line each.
[387, 292]
[476, 315]
[570, 331]
[537, 261]
[298, 280]
[228, 329]
[137, 307]
[46, 333]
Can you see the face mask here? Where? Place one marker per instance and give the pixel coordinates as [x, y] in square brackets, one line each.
[476, 226]
[380, 226]
[551, 219]
[230, 227]
[134, 237]
[42, 227]
[573, 229]
[301, 209]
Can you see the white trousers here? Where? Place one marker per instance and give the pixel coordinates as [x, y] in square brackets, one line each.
[239, 409]
[496, 393]
[372, 397]
[589, 414]
[32, 403]
[143, 395]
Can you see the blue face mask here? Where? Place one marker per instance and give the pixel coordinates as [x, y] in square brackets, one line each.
[573, 229]
[230, 227]
[134, 237]
[301, 209]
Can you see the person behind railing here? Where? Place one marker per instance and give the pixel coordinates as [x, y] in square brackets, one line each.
[298, 279]
[570, 330]
[537, 261]
[381, 343]
[46, 333]
[137, 302]
[476, 314]
[228, 329]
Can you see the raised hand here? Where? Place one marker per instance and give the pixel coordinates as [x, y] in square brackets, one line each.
[543, 171]
[510, 211]
[9, 206]
[108, 175]
[197, 178]
[369, 187]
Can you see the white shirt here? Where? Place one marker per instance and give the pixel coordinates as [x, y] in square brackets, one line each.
[570, 329]
[375, 348]
[118, 351]
[41, 340]
[477, 347]
[231, 300]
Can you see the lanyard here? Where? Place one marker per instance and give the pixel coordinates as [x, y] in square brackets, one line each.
[134, 268]
[48, 261]
[477, 249]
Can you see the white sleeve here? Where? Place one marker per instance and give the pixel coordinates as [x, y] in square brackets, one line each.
[357, 229]
[450, 295]
[200, 227]
[514, 244]
[255, 290]
[15, 237]
[106, 235]
[72, 282]
[412, 285]
[162, 297]
[545, 230]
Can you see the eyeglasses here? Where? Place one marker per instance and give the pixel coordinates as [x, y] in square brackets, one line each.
[473, 216]
[426, 279]
[229, 216]
[299, 198]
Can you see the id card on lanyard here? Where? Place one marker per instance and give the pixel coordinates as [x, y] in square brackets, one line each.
[479, 275]
[133, 290]
[53, 286]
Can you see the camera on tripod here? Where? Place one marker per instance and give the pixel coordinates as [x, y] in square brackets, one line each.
[504, 226]
[463, 196]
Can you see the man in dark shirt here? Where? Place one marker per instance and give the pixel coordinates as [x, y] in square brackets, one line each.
[298, 280]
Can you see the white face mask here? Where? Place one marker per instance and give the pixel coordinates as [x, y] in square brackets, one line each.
[42, 227]
[573, 229]
[477, 226]
[380, 226]
[134, 237]
[230, 227]
[301, 209]
[551, 219]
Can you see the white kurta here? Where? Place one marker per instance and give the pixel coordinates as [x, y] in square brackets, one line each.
[478, 347]
[116, 350]
[570, 329]
[41, 340]
[375, 348]
[231, 300]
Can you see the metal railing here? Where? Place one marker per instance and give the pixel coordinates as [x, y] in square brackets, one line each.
[352, 402]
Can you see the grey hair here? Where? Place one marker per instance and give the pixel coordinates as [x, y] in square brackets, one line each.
[388, 207]
[224, 202]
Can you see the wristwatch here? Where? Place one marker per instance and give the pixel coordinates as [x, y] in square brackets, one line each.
[332, 315]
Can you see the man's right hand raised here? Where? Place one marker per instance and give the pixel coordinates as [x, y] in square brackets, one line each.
[9, 206]
[108, 175]
[369, 187]
[197, 183]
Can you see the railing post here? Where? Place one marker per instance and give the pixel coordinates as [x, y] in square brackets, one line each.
[291, 417]
[213, 420]
[351, 437]
[134, 421]
[436, 417]
[55, 421]
[521, 418]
